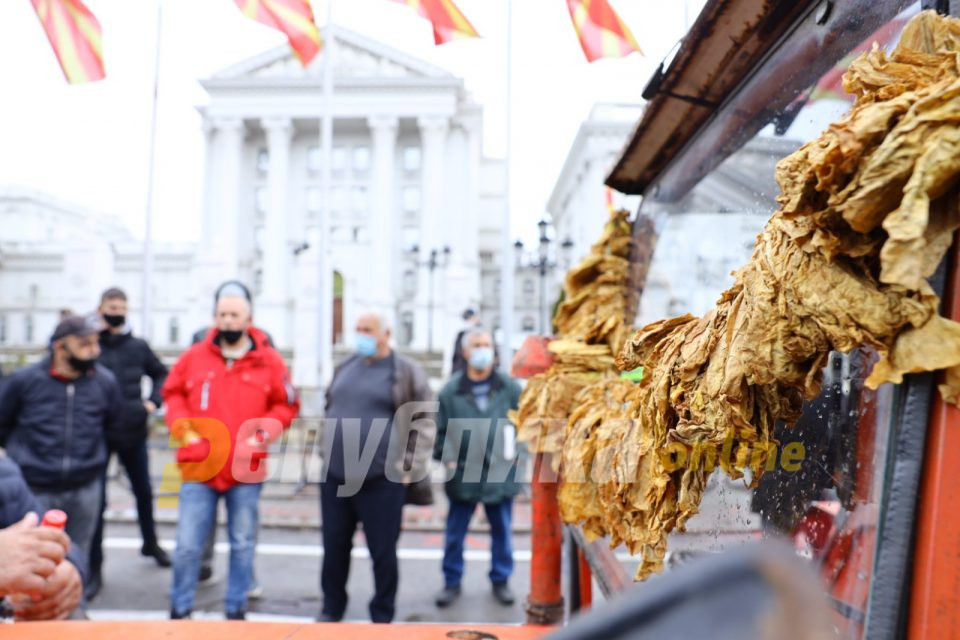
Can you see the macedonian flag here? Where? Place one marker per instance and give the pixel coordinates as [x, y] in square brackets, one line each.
[75, 36]
[294, 18]
[601, 31]
[448, 21]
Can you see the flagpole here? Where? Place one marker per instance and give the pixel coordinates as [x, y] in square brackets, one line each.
[147, 275]
[326, 177]
[506, 258]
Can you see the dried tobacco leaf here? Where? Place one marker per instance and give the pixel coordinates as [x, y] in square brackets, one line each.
[592, 325]
[868, 211]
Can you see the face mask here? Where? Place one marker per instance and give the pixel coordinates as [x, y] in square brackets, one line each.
[365, 345]
[83, 365]
[231, 336]
[114, 321]
[481, 358]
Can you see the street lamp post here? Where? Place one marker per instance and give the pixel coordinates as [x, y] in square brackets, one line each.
[438, 258]
[543, 265]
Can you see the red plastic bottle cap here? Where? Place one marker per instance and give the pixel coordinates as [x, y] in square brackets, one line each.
[54, 518]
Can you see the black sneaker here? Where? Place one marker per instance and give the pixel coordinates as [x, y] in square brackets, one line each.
[503, 594]
[447, 596]
[93, 586]
[174, 615]
[237, 615]
[157, 553]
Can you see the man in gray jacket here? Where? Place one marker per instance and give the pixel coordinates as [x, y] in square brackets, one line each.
[371, 404]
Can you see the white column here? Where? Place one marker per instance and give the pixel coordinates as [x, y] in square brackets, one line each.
[225, 240]
[383, 230]
[271, 309]
[216, 257]
[433, 137]
[306, 324]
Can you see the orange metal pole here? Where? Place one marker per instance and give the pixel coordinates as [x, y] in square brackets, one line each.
[586, 580]
[935, 597]
[545, 602]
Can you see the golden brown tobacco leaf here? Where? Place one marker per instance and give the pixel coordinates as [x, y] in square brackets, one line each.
[867, 213]
[592, 324]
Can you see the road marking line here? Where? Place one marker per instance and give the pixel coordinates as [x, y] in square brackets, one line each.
[315, 551]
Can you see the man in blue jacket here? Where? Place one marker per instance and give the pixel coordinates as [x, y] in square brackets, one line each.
[32, 557]
[53, 417]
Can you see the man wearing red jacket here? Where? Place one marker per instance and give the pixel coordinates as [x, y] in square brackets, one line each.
[227, 398]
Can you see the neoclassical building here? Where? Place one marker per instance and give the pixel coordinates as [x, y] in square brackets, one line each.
[407, 172]
[408, 180]
[56, 255]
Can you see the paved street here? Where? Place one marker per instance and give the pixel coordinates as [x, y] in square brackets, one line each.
[289, 551]
[287, 566]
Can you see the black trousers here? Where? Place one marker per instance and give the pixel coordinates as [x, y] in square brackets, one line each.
[137, 465]
[378, 506]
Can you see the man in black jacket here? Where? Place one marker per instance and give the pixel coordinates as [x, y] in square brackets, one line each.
[129, 358]
[32, 557]
[53, 418]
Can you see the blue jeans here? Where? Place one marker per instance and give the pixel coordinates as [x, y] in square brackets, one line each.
[198, 514]
[458, 519]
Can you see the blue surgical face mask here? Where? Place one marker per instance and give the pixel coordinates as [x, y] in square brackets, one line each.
[365, 345]
[481, 358]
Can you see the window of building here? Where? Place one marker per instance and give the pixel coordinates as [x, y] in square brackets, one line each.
[338, 161]
[409, 282]
[361, 158]
[259, 237]
[257, 282]
[260, 196]
[528, 323]
[34, 292]
[313, 159]
[313, 199]
[406, 328]
[340, 235]
[28, 329]
[338, 198]
[410, 237]
[529, 287]
[410, 200]
[263, 161]
[174, 332]
[359, 200]
[3, 329]
[360, 235]
[411, 159]
[486, 257]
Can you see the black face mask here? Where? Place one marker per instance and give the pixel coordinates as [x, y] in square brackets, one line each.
[114, 321]
[231, 336]
[83, 365]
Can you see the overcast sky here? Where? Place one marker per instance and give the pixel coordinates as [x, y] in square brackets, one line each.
[88, 144]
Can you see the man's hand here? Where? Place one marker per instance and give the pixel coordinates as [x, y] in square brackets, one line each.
[29, 555]
[58, 598]
[149, 406]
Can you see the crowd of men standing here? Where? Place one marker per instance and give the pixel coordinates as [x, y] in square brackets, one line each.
[227, 398]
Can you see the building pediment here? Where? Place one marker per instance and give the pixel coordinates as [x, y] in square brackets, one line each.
[356, 57]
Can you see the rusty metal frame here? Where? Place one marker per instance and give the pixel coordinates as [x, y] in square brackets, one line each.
[935, 604]
[678, 143]
[611, 576]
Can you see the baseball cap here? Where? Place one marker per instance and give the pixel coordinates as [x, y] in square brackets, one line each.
[80, 326]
